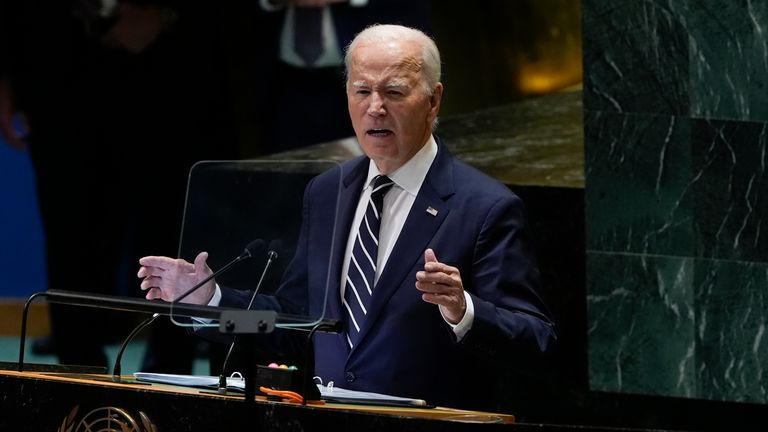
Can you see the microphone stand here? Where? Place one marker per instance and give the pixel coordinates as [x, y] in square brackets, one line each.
[250, 388]
[116, 370]
[309, 357]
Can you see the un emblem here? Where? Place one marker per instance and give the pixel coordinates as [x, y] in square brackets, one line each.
[106, 419]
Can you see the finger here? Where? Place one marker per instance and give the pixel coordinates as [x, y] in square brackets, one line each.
[440, 299]
[429, 256]
[435, 277]
[154, 293]
[434, 288]
[145, 271]
[150, 295]
[440, 267]
[200, 265]
[162, 262]
[151, 282]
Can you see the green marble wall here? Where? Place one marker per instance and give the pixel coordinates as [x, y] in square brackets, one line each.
[675, 116]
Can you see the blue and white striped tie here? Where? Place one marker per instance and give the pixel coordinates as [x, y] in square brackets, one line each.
[362, 264]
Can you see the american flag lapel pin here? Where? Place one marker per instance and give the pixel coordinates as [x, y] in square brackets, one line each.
[431, 210]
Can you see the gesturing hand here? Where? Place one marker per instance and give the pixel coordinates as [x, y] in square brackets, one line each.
[441, 284]
[167, 278]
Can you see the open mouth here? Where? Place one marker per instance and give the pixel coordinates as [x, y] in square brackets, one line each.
[379, 133]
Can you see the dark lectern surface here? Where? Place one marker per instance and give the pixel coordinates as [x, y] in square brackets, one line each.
[64, 402]
[50, 401]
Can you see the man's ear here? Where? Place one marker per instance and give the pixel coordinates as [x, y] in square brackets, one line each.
[436, 99]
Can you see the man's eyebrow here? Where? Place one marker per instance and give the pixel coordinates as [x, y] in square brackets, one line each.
[391, 83]
[397, 82]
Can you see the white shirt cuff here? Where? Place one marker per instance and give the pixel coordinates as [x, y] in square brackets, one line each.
[358, 3]
[215, 300]
[463, 326]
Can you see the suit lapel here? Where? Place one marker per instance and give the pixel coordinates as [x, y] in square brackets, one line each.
[427, 214]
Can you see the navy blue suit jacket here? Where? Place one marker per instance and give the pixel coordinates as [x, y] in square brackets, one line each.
[406, 348]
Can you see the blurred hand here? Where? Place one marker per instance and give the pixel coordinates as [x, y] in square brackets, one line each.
[441, 284]
[137, 26]
[167, 278]
[7, 111]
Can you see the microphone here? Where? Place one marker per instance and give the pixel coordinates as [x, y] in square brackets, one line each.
[116, 370]
[271, 257]
[249, 251]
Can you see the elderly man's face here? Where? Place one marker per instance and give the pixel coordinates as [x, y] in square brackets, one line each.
[390, 110]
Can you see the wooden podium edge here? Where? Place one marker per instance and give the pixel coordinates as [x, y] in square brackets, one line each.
[437, 413]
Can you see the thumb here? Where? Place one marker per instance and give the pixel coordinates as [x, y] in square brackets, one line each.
[429, 256]
[200, 265]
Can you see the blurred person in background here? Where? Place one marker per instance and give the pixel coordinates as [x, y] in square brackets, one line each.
[111, 97]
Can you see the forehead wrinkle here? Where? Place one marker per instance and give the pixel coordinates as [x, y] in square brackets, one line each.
[401, 73]
[410, 63]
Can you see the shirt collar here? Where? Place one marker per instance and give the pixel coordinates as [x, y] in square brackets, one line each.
[411, 175]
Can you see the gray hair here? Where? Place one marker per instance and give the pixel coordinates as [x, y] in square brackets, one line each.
[430, 56]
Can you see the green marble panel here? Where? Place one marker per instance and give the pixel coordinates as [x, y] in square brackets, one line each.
[635, 56]
[728, 59]
[638, 170]
[677, 196]
[641, 324]
[730, 189]
[732, 347]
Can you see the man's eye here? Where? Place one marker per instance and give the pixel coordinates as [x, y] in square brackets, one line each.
[363, 92]
[394, 93]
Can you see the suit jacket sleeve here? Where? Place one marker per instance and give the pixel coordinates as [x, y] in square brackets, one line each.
[511, 319]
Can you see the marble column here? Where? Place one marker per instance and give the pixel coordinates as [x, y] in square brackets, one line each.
[675, 114]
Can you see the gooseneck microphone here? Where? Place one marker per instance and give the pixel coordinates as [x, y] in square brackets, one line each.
[117, 369]
[272, 255]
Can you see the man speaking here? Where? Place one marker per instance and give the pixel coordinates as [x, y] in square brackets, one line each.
[437, 284]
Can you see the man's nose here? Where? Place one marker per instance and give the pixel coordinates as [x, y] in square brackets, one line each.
[376, 107]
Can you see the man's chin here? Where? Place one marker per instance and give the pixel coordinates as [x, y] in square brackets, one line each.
[379, 152]
[380, 148]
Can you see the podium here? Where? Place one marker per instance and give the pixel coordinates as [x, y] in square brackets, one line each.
[66, 402]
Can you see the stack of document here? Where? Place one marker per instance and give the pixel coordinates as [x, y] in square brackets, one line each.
[236, 383]
[201, 381]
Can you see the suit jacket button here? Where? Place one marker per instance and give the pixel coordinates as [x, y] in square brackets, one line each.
[350, 376]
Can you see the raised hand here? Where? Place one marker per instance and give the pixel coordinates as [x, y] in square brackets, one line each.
[441, 284]
[167, 278]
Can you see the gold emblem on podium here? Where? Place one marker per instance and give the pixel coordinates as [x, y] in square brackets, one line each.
[106, 419]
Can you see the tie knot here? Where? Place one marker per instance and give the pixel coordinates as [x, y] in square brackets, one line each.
[381, 185]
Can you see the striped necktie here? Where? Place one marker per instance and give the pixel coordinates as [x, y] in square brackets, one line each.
[362, 264]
